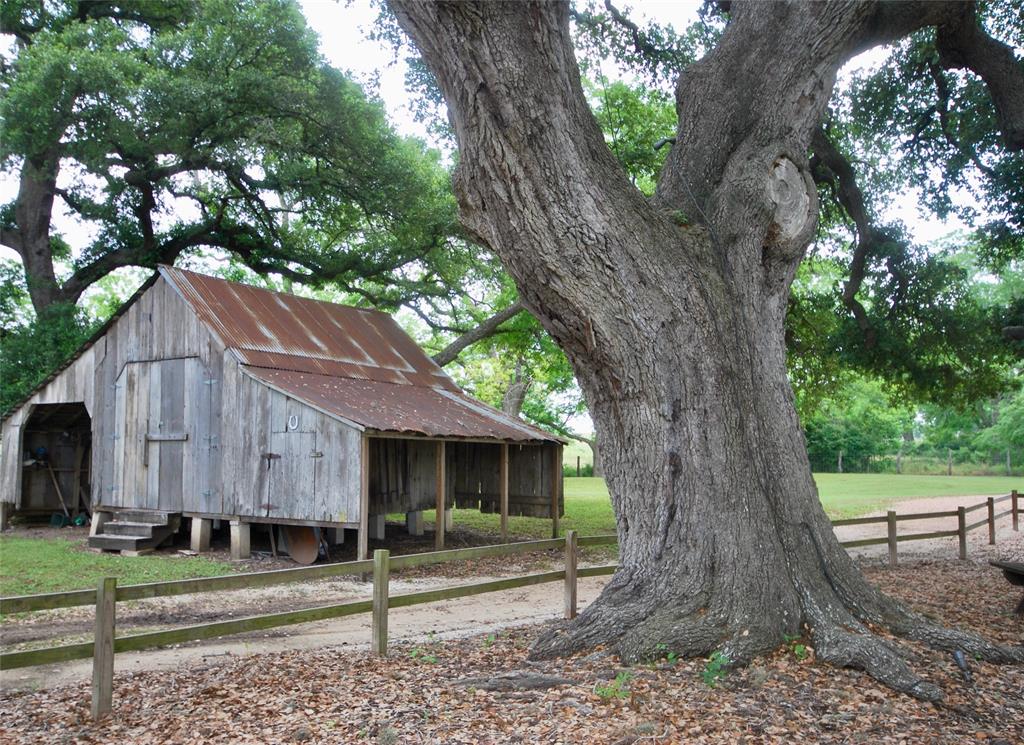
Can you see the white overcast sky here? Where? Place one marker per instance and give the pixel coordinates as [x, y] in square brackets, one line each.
[343, 27]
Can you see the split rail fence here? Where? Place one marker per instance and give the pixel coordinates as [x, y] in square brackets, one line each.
[105, 644]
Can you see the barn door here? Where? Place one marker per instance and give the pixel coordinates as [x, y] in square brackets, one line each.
[152, 436]
[290, 462]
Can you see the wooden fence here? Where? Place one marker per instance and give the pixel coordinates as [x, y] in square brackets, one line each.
[105, 644]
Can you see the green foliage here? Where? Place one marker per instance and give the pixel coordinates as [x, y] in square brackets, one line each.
[634, 119]
[1007, 431]
[618, 688]
[857, 419]
[216, 124]
[31, 351]
[716, 669]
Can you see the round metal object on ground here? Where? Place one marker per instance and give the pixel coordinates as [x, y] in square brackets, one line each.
[302, 543]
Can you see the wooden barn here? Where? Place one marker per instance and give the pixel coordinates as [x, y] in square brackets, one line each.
[212, 400]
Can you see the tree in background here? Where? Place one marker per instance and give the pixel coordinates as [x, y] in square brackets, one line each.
[671, 309]
[166, 128]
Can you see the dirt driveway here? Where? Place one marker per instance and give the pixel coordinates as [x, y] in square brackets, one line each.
[480, 614]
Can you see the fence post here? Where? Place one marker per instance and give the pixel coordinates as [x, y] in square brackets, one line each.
[1013, 510]
[571, 556]
[103, 651]
[381, 578]
[890, 519]
[991, 521]
[961, 531]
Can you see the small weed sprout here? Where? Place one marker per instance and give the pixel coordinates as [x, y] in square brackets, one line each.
[489, 641]
[666, 653]
[715, 670]
[618, 688]
[799, 650]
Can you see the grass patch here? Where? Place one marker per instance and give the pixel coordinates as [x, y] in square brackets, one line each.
[33, 565]
[588, 509]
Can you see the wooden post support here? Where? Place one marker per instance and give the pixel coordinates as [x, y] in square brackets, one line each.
[5, 514]
[577, 465]
[571, 557]
[381, 579]
[414, 522]
[449, 520]
[890, 519]
[201, 529]
[439, 499]
[239, 540]
[961, 531]
[99, 519]
[1014, 512]
[377, 527]
[556, 487]
[504, 492]
[103, 651]
[363, 533]
[990, 502]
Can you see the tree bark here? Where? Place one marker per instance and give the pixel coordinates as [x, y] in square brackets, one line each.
[674, 322]
[515, 396]
[31, 239]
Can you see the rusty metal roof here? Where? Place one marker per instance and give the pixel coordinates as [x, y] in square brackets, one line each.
[355, 363]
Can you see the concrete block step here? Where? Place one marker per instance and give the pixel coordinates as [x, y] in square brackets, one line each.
[119, 527]
[155, 517]
[119, 542]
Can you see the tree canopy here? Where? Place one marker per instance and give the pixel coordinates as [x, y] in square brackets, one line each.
[164, 128]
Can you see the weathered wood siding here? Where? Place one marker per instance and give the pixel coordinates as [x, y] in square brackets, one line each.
[403, 475]
[476, 473]
[74, 384]
[160, 371]
[159, 326]
[314, 470]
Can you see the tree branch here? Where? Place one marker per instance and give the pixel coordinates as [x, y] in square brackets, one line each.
[852, 199]
[488, 328]
[965, 44]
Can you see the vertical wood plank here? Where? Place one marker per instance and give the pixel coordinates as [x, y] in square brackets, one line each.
[571, 559]
[103, 651]
[154, 424]
[439, 464]
[890, 519]
[961, 531]
[381, 572]
[504, 492]
[1014, 512]
[363, 539]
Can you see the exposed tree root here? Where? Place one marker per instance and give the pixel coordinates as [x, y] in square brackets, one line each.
[629, 622]
[872, 654]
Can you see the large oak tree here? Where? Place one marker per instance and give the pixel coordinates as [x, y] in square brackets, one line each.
[671, 308]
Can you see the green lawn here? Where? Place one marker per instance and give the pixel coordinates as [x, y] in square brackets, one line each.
[588, 509]
[32, 565]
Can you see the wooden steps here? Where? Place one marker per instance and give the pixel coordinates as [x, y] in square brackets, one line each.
[135, 530]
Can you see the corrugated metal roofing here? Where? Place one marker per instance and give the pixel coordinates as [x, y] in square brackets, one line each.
[386, 407]
[354, 363]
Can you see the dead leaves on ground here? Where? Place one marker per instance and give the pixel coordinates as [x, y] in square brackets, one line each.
[420, 694]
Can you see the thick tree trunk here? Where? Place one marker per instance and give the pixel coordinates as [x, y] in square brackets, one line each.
[515, 396]
[31, 239]
[671, 313]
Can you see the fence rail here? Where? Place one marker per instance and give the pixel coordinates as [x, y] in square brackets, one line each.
[105, 597]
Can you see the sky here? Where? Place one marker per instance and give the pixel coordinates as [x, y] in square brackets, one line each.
[343, 27]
